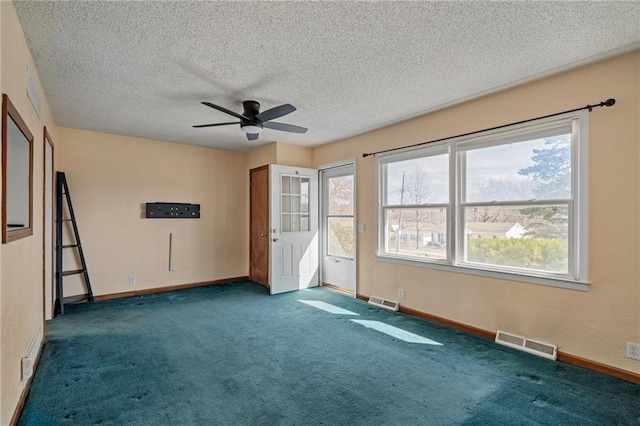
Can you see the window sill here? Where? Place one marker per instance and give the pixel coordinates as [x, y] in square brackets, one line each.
[530, 279]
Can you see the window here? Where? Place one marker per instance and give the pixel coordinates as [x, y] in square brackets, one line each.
[340, 221]
[509, 202]
[416, 205]
[295, 204]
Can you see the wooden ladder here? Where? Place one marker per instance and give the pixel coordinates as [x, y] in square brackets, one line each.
[62, 189]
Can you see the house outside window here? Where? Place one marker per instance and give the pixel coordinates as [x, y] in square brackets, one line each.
[509, 203]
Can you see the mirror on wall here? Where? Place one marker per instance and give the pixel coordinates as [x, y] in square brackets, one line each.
[17, 175]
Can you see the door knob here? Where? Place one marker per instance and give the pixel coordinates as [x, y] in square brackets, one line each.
[275, 240]
[263, 234]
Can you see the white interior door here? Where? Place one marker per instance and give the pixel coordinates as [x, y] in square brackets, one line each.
[338, 227]
[293, 195]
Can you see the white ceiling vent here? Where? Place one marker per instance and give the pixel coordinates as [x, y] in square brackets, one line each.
[383, 303]
[545, 350]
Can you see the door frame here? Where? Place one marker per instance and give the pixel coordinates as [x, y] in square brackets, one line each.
[251, 235]
[321, 225]
[48, 298]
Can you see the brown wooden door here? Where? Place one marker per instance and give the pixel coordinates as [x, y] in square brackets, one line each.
[259, 223]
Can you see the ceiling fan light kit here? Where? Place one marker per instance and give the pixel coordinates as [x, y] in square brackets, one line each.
[251, 128]
[252, 121]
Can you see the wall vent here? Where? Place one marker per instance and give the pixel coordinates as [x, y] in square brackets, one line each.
[545, 350]
[384, 303]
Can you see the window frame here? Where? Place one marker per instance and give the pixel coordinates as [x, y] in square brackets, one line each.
[346, 169]
[433, 150]
[291, 196]
[577, 276]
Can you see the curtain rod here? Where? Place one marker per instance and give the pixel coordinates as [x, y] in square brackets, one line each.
[609, 102]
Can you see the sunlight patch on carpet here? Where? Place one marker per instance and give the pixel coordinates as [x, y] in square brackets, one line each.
[327, 307]
[396, 332]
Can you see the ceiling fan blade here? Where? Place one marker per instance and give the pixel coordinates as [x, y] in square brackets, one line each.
[252, 136]
[223, 109]
[216, 124]
[284, 127]
[275, 112]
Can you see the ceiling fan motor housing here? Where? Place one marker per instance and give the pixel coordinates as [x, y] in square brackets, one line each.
[251, 109]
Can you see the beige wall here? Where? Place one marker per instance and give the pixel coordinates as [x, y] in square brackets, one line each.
[594, 324]
[111, 178]
[265, 154]
[21, 278]
[292, 155]
[280, 153]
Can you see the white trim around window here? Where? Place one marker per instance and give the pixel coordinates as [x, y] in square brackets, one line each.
[509, 204]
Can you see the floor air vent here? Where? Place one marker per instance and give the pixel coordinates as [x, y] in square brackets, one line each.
[383, 303]
[537, 348]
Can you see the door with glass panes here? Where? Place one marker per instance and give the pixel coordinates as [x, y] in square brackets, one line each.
[338, 228]
[294, 228]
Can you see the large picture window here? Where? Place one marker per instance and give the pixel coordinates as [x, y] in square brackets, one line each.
[510, 202]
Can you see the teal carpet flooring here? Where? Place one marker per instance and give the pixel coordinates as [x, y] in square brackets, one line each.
[233, 355]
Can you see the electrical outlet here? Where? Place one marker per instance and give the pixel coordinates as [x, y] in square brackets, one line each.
[27, 368]
[132, 279]
[401, 293]
[633, 350]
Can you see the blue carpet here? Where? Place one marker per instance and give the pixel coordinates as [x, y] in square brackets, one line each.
[233, 355]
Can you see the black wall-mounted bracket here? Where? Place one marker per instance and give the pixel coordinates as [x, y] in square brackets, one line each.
[172, 211]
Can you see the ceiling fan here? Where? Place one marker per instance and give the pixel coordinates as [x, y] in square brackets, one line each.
[252, 120]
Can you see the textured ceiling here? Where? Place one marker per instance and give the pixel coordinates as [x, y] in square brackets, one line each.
[142, 68]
